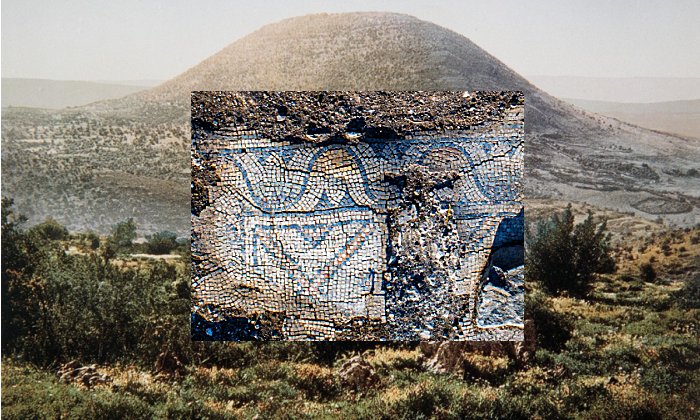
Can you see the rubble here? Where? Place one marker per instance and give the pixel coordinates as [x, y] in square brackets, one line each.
[451, 356]
[87, 376]
[357, 374]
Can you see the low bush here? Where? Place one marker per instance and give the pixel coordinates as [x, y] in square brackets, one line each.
[553, 329]
[647, 272]
[161, 243]
[689, 295]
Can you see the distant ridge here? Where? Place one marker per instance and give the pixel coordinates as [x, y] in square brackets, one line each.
[620, 89]
[677, 117]
[56, 94]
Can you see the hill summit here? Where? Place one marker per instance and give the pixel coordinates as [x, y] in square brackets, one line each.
[353, 51]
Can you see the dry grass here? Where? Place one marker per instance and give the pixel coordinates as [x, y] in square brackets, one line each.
[389, 357]
[672, 253]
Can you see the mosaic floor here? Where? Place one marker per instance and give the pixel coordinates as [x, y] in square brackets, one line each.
[303, 240]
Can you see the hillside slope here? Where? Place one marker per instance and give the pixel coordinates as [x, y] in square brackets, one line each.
[570, 154]
[356, 51]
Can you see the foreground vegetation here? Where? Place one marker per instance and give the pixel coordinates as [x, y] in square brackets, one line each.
[624, 346]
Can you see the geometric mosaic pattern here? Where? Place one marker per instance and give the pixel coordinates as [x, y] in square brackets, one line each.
[297, 232]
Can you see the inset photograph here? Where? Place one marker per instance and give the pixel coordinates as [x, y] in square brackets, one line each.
[363, 216]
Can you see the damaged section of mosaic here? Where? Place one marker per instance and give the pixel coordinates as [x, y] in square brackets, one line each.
[412, 237]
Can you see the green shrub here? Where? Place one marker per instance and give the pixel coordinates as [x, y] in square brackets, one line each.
[58, 306]
[51, 230]
[623, 358]
[186, 406]
[21, 289]
[639, 407]
[689, 295]
[92, 240]
[427, 400]
[661, 379]
[647, 272]
[582, 395]
[119, 406]
[123, 234]
[565, 257]
[31, 393]
[161, 243]
[316, 382]
[553, 329]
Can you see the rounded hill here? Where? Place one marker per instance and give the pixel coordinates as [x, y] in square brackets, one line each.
[355, 51]
[570, 153]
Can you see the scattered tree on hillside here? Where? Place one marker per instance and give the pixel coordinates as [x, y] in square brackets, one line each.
[121, 238]
[647, 272]
[123, 234]
[51, 230]
[92, 240]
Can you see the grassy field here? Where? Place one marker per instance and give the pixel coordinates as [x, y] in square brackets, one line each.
[628, 349]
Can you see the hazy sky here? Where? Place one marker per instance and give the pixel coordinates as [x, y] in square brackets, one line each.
[159, 39]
